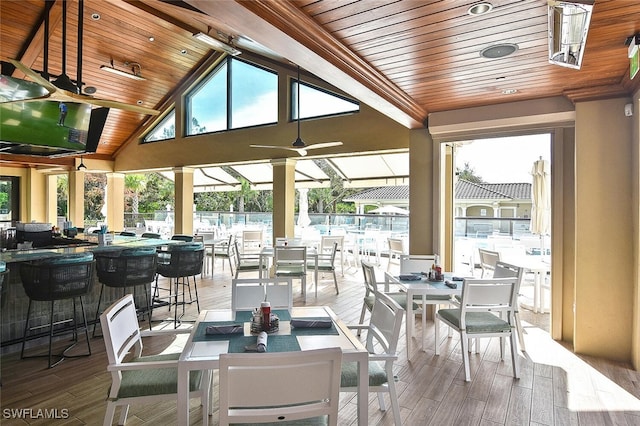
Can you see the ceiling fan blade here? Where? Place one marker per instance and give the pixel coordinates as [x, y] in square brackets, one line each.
[301, 151]
[322, 145]
[34, 76]
[274, 147]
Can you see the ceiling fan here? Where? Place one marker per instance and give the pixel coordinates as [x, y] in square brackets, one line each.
[299, 145]
[63, 89]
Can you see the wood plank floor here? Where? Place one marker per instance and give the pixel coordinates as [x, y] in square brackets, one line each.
[556, 387]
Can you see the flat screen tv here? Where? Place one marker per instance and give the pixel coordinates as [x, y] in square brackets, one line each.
[45, 127]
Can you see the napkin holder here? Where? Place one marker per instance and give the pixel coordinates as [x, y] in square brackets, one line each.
[257, 323]
[105, 239]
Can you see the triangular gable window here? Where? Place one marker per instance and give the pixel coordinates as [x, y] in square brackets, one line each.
[165, 129]
[316, 102]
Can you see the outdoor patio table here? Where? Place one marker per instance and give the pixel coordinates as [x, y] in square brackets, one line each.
[203, 351]
[422, 288]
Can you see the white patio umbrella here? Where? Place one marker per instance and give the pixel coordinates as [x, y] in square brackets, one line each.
[390, 210]
[541, 198]
[303, 215]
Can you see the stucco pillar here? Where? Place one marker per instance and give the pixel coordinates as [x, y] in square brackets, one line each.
[36, 196]
[284, 197]
[183, 200]
[421, 192]
[603, 302]
[115, 201]
[76, 198]
[51, 199]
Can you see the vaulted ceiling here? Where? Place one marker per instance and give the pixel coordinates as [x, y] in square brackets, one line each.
[405, 58]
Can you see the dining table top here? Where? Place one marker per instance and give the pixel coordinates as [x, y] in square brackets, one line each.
[202, 350]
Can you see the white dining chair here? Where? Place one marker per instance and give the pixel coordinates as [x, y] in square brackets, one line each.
[248, 293]
[396, 250]
[481, 301]
[383, 333]
[142, 379]
[301, 387]
[291, 262]
[327, 243]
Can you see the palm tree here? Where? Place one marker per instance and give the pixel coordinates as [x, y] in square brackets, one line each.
[135, 184]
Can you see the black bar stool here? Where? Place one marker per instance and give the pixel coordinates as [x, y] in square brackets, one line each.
[127, 268]
[178, 263]
[59, 278]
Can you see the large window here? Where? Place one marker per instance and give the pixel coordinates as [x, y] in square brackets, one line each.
[315, 102]
[236, 94]
[164, 130]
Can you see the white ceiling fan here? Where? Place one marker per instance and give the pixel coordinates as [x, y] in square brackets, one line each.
[63, 89]
[298, 145]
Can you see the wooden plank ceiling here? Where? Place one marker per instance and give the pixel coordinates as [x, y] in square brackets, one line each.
[405, 58]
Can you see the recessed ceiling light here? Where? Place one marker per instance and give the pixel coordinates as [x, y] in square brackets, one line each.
[152, 39]
[498, 50]
[140, 102]
[509, 91]
[480, 9]
[183, 51]
[95, 16]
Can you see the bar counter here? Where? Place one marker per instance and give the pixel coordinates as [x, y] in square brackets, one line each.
[14, 301]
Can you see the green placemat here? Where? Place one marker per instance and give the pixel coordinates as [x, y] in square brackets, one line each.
[275, 343]
[312, 331]
[237, 342]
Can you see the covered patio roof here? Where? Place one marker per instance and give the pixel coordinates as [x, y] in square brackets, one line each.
[357, 171]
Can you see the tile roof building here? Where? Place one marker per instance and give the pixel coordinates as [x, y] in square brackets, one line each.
[472, 199]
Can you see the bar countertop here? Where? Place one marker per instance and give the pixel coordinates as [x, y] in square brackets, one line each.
[119, 243]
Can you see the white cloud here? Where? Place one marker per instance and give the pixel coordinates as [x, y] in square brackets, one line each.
[504, 159]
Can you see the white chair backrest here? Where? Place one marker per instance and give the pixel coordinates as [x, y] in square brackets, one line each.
[290, 255]
[495, 295]
[327, 242]
[396, 245]
[120, 329]
[280, 293]
[488, 258]
[251, 239]
[281, 241]
[416, 262]
[385, 324]
[369, 272]
[248, 293]
[285, 385]
[507, 270]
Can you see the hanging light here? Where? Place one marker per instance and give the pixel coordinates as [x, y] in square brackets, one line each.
[568, 27]
[81, 166]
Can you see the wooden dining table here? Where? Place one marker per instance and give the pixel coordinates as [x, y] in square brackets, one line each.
[202, 351]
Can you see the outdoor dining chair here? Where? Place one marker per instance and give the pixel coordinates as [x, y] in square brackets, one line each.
[383, 333]
[248, 293]
[396, 249]
[488, 259]
[325, 262]
[300, 387]
[142, 379]
[373, 287]
[291, 262]
[481, 301]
